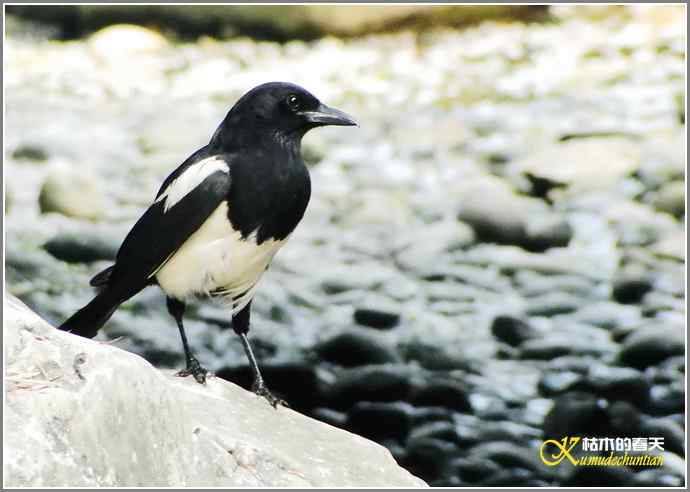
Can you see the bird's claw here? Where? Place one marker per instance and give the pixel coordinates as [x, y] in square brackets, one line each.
[261, 390]
[195, 369]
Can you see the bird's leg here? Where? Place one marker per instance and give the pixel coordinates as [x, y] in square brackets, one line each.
[176, 309]
[240, 323]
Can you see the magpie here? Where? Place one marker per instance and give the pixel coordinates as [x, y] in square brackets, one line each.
[219, 218]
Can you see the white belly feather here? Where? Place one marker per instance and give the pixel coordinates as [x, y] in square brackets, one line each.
[216, 258]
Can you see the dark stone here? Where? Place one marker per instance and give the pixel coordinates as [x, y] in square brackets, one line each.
[577, 413]
[30, 152]
[509, 455]
[433, 357]
[512, 331]
[376, 318]
[380, 420]
[625, 419]
[295, 382]
[618, 383]
[429, 458]
[600, 476]
[666, 399]
[373, 383]
[80, 247]
[647, 347]
[630, 290]
[355, 349]
[673, 434]
[545, 348]
[443, 393]
[472, 469]
[554, 233]
[553, 303]
[443, 430]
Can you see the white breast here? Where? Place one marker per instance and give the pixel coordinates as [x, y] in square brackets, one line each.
[215, 258]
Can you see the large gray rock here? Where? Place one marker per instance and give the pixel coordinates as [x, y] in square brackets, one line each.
[81, 413]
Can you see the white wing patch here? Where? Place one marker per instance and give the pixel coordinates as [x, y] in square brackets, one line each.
[216, 258]
[192, 177]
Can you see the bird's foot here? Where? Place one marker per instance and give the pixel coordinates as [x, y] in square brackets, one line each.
[195, 369]
[260, 389]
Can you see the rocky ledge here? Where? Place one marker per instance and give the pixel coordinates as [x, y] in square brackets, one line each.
[85, 413]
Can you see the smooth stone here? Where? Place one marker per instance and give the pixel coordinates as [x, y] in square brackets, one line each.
[380, 420]
[352, 348]
[672, 432]
[649, 346]
[631, 288]
[73, 194]
[443, 393]
[378, 318]
[420, 249]
[618, 383]
[512, 331]
[30, 152]
[472, 469]
[553, 303]
[664, 400]
[576, 413]
[130, 40]
[369, 383]
[429, 457]
[441, 429]
[81, 247]
[509, 455]
[280, 377]
[582, 164]
[434, 357]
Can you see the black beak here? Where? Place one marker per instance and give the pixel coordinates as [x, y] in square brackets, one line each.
[325, 115]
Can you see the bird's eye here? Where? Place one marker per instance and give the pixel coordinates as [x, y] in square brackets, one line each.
[293, 102]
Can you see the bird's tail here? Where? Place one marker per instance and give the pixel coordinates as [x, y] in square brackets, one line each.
[88, 320]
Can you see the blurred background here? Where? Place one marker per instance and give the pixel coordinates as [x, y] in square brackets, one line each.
[494, 258]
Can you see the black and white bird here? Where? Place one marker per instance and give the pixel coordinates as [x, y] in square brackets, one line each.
[219, 218]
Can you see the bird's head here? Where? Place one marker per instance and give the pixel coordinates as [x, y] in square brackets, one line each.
[282, 109]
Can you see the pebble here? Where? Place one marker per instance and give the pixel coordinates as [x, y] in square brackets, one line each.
[376, 318]
[369, 383]
[512, 331]
[380, 420]
[651, 345]
[73, 194]
[576, 413]
[81, 247]
[443, 393]
[353, 348]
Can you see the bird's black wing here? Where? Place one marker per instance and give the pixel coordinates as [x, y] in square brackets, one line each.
[159, 233]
